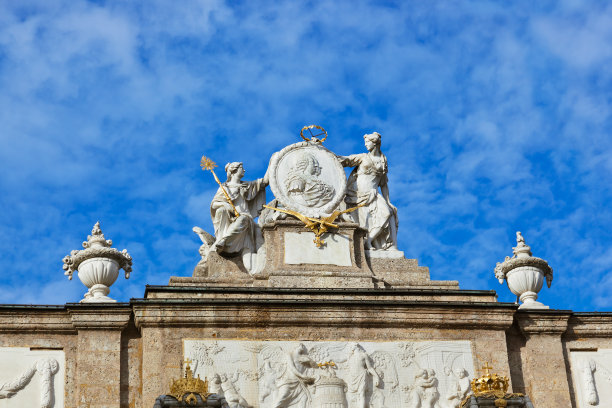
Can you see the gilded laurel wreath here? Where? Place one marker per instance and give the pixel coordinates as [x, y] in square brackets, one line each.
[314, 137]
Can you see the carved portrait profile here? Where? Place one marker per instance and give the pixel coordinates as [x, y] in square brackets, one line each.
[304, 184]
[307, 178]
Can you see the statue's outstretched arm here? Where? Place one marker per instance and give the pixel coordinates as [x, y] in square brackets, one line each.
[352, 160]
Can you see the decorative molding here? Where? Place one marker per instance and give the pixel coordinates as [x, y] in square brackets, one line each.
[35, 320]
[590, 325]
[97, 317]
[319, 313]
[544, 322]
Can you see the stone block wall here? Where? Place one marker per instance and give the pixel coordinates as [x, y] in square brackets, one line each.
[125, 355]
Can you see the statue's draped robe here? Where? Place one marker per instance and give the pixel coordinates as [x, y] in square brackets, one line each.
[362, 188]
[292, 390]
[239, 235]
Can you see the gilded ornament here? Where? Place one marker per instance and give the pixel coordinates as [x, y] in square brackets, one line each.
[208, 164]
[185, 388]
[490, 383]
[491, 386]
[318, 226]
[314, 137]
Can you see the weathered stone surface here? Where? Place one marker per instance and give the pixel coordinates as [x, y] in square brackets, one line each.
[543, 361]
[405, 273]
[99, 353]
[191, 289]
[126, 361]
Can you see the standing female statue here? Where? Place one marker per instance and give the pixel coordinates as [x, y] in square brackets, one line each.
[239, 234]
[378, 216]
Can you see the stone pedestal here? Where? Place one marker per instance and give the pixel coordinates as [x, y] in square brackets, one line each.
[99, 353]
[293, 259]
[405, 273]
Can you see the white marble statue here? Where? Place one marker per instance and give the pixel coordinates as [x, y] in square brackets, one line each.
[363, 377]
[367, 184]
[293, 385]
[239, 234]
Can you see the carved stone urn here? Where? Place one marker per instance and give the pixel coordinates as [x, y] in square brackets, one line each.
[330, 393]
[524, 274]
[97, 265]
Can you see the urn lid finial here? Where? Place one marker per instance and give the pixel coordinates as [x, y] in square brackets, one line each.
[96, 239]
[521, 250]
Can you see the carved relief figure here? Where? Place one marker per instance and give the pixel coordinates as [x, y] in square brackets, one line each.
[267, 383]
[459, 386]
[362, 377]
[46, 368]
[239, 234]
[378, 216]
[304, 185]
[387, 393]
[214, 385]
[231, 393]
[424, 393]
[588, 368]
[293, 385]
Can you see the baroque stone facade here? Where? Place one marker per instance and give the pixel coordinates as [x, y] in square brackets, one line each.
[126, 354]
[303, 303]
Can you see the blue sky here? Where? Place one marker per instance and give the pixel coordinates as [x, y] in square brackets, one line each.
[495, 117]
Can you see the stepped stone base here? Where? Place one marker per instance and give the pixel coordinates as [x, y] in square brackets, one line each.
[294, 261]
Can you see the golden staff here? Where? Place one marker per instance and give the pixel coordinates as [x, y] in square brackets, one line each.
[208, 164]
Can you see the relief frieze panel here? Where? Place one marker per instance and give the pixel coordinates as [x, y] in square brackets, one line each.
[331, 374]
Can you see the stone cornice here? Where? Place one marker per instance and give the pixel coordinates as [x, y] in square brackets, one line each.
[97, 316]
[590, 325]
[551, 322]
[24, 319]
[272, 312]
